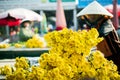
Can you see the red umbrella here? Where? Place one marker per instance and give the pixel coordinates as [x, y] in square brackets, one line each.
[10, 21]
[13, 17]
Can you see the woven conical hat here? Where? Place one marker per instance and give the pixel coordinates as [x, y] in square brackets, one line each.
[94, 8]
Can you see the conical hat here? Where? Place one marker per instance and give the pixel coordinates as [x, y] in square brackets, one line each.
[94, 8]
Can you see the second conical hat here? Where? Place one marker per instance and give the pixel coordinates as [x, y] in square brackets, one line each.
[94, 8]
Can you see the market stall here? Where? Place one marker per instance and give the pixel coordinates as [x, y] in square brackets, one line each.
[11, 52]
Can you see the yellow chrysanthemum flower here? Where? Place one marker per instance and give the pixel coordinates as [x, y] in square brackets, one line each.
[69, 58]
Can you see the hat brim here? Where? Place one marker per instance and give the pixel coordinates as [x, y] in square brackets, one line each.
[24, 21]
[94, 8]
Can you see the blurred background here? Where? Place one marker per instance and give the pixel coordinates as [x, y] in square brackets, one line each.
[48, 7]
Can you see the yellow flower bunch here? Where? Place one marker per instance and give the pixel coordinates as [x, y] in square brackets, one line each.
[6, 70]
[4, 45]
[35, 42]
[17, 45]
[37, 73]
[70, 58]
[68, 41]
[19, 74]
[104, 69]
[74, 48]
[22, 62]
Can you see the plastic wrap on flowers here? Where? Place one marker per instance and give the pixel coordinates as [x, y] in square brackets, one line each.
[70, 58]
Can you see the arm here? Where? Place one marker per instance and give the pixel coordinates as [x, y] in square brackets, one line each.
[105, 28]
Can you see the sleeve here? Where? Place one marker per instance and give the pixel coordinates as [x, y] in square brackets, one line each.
[105, 28]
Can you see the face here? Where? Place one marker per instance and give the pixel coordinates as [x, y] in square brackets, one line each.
[26, 24]
[93, 18]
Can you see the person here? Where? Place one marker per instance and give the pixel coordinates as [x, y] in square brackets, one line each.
[96, 16]
[25, 31]
[50, 27]
[13, 35]
[12, 32]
